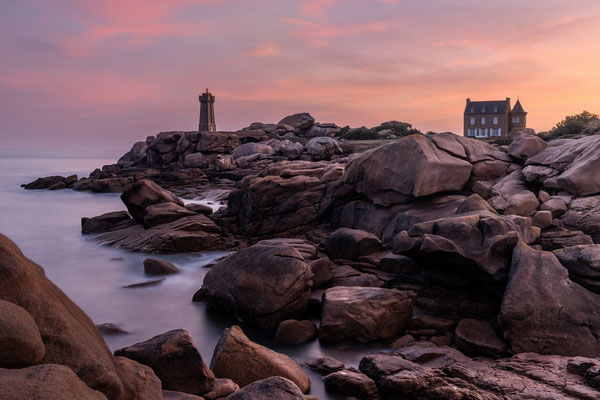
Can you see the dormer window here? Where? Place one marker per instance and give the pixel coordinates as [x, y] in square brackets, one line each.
[473, 109]
[495, 109]
[482, 109]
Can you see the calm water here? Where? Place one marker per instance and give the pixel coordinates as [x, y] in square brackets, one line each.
[46, 226]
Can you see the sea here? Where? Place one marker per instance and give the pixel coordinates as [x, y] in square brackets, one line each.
[46, 225]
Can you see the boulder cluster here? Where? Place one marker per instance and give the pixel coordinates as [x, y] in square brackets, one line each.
[477, 264]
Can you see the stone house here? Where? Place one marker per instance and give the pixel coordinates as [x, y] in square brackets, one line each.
[490, 120]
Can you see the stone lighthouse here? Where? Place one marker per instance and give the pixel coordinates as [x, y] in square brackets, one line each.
[207, 112]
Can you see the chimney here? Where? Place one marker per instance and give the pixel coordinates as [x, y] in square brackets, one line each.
[468, 100]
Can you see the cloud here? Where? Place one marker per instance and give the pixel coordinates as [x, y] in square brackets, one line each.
[264, 49]
[316, 8]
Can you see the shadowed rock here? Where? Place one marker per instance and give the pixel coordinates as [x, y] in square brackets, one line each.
[243, 361]
[174, 358]
[20, 342]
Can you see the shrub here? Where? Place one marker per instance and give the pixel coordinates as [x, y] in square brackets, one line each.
[571, 125]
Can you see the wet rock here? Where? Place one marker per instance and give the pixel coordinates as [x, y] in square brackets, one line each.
[244, 362]
[143, 194]
[154, 266]
[175, 359]
[479, 338]
[109, 328]
[296, 332]
[44, 183]
[193, 233]
[276, 278]
[271, 388]
[324, 364]
[163, 213]
[47, 382]
[364, 314]
[106, 222]
[223, 388]
[199, 208]
[351, 383]
[20, 342]
[351, 243]
[439, 325]
[173, 395]
[543, 311]
[145, 383]
[431, 355]
[70, 337]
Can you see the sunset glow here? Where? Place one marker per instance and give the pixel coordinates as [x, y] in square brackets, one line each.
[94, 72]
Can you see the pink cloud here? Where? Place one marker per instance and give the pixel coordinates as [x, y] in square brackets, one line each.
[316, 8]
[264, 50]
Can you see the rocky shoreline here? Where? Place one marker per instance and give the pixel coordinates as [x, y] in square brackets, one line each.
[476, 263]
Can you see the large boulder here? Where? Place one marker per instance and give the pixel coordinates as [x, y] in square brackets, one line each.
[584, 215]
[479, 338]
[20, 342]
[145, 383]
[570, 165]
[263, 284]
[135, 155]
[525, 146]
[364, 313]
[69, 335]
[248, 149]
[289, 149]
[350, 244]
[287, 197]
[44, 382]
[174, 358]
[543, 311]
[322, 148]
[411, 167]
[195, 160]
[323, 130]
[145, 193]
[244, 362]
[351, 383]
[275, 387]
[301, 121]
[154, 266]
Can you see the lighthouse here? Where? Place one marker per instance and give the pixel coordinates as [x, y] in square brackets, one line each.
[207, 112]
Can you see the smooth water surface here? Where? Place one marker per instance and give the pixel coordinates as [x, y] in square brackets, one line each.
[46, 226]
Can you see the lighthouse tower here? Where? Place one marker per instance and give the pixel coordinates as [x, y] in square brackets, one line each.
[207, 112]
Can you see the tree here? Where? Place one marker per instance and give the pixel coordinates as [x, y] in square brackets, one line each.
[571, 125]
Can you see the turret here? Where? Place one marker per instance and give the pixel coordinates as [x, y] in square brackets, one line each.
[207, 112]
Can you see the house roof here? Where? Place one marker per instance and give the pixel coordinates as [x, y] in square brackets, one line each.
[488, 105]
[518, 108]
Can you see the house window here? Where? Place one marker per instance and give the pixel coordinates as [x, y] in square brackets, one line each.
[516, 120]
[482, 133]
[495, 120]
[495, 109]
[472, 121]
[495, 132]
[482, 120]
[471, 132]
[473, 110]
[482, 109]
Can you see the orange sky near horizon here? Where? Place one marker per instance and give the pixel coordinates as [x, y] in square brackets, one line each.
[87, 73]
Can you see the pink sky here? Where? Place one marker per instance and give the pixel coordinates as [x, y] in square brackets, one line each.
[108, 73]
